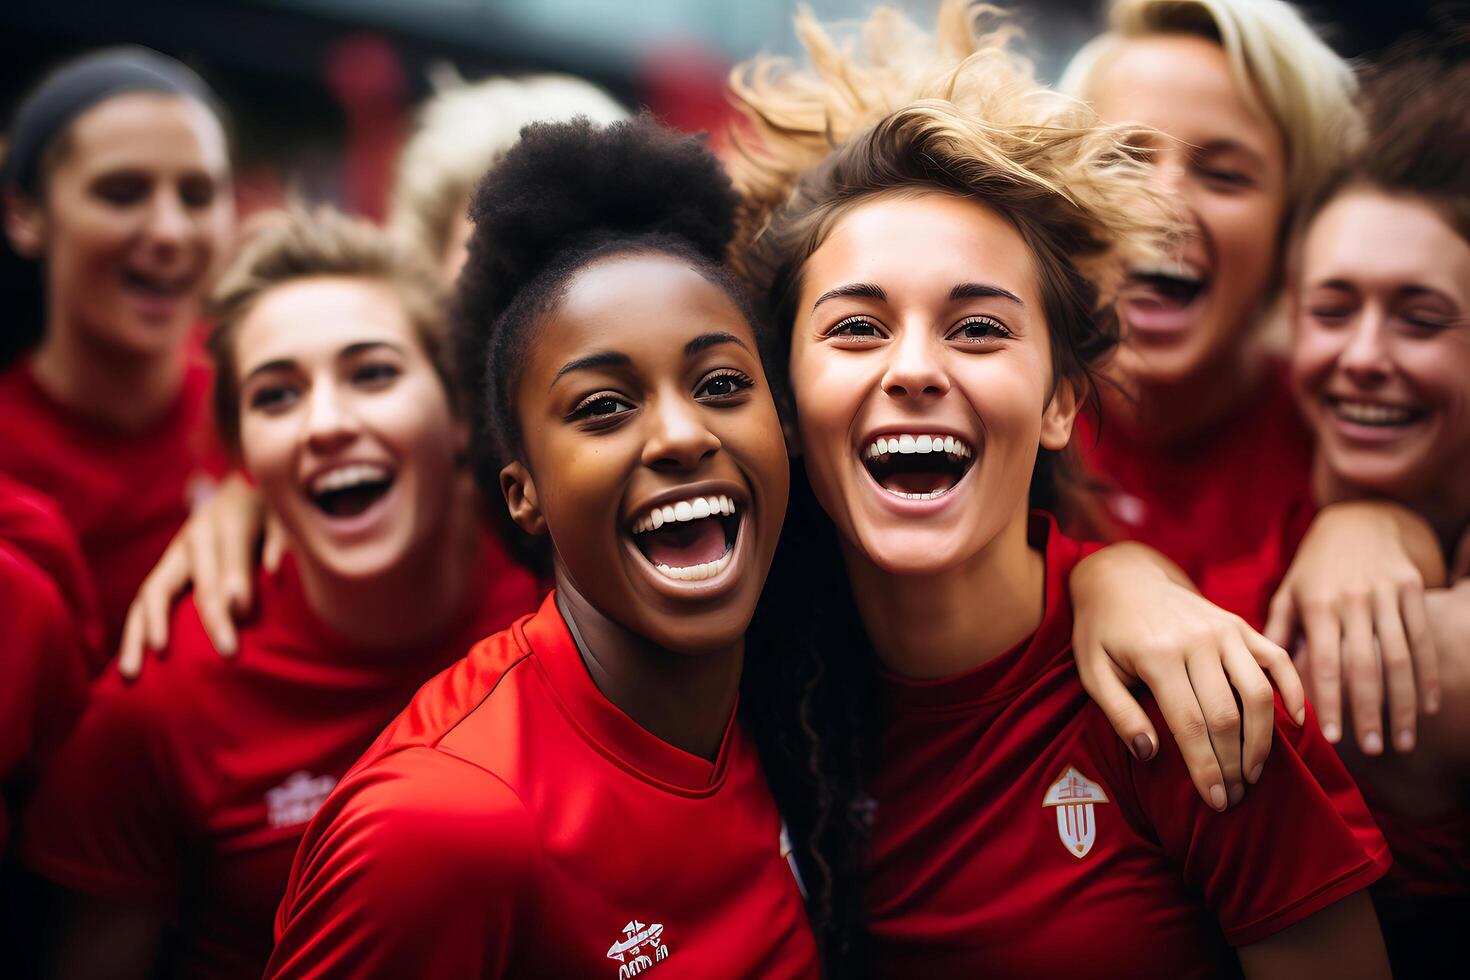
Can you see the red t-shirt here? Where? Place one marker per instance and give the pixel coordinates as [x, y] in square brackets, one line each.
[1015, 835]
[514, 822]
[33, 522]
[43, 672]
[125, 494]
[190, 788]
[1212, 496]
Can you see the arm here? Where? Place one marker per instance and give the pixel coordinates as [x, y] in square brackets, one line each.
[1343, 940]
[105, 940]
[214, 552]
[1138, 617]
[1355, 590]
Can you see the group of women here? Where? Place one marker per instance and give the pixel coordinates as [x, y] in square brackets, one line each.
[629, 560]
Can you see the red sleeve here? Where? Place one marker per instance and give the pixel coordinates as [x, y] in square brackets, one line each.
[108, 817]
[33, 523]
[418, 865]
[1300, 840]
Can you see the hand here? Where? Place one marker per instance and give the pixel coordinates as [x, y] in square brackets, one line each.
[213, 551]
[1138, 618]
[1356, 591]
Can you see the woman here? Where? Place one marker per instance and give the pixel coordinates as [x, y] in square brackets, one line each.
[171, 813]
[579, 795]
[935, 279]
[117, 186]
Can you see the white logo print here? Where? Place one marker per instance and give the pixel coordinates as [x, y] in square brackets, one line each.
[297, 799]
[1073, 796]
[643, 943]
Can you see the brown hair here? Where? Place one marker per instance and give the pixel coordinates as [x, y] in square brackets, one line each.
[290, 246]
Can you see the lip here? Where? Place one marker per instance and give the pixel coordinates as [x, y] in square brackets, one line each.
[1147, 322]
[711, 588]
[155, 304]
[1358, 432]
[907, 506]
[357, 526]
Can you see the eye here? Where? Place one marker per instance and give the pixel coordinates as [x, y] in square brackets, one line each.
[604, 407]
[722, 385]
[375, 376]
[196, 192]
[1427, 320]
[1330, 315]
[855, 328]
[980, 330]
[1230, 178]
[273, 398]
[122, 190]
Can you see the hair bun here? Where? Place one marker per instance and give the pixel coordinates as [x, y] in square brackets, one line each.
[571, 184]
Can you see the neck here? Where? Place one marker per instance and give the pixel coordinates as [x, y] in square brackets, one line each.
[416, 601]
[124, 389]
[1445, 504]
[929, 627]
[1167, 412]
[683, 698]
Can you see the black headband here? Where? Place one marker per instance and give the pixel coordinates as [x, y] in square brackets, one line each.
[77, 86]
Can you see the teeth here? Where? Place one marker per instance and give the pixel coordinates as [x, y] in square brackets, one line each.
[1370, 414]
[693, 509]
[349, 476]
[1174, 270]
[912, 445]
[917, 496]
[696, 573]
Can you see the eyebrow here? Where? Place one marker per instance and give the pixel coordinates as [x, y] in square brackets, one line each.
[980, 290]
[348, 352]
[604, 359]
[863, 290]
[1232, 146]
[713, 339]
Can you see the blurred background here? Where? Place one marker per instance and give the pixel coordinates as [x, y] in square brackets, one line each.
[322, 91]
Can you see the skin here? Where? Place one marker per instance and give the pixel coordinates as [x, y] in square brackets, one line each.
[918, 359]
[643, 387]
[1222, 163]
[140, 193]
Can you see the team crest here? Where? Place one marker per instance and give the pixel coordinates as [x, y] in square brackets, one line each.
[640, 948]
[1073, 797]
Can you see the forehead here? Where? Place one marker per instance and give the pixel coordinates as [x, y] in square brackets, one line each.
[1182, 86]
[314, 319]
[922, 246]
[145, 130]
[1368, 237]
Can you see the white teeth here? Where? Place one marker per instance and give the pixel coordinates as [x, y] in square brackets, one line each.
[696, 573]
[1177, 269]
[693, 509]
[917, 496]
[351, 475]
[916, 445]
[1371, 414]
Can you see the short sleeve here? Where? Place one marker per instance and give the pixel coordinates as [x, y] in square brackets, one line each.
[1301, 839]
[107, 818]
[419, 864]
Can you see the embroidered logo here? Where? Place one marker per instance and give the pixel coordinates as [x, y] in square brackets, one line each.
[1073, 796]
[644, 944]
[297, 799]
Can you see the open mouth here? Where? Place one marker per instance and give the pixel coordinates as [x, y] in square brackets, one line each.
[1159, 295]
[1375, 414]
[159, 287]
[350, 490]
[918, 467]
[691, 540]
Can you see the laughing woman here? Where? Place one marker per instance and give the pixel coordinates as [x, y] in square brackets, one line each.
[170, 816]
[936, 284]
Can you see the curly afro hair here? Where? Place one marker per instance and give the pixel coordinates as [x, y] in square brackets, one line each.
[565, 196]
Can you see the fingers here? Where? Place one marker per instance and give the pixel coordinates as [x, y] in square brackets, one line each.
[130, 652]
[1257, 706]
[209, 597]
[236, 556]
[1276, 662]
[1125, 714]
[1181, 709]
[1422, 648]
[1362, 673]
[1281, 618]
[1222, 718]
[275, 545]
[1324, 667]
[1398, 669]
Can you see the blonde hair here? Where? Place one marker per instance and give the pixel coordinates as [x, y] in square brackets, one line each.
[463, 131]
[1280, 65]
[290, 246]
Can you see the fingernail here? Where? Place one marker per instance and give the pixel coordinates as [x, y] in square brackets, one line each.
[1331, 732]
[1404, 742]
[1431, 704]
[1255, 774]
[1217, 797]
[1373, 743]
[1143, 747]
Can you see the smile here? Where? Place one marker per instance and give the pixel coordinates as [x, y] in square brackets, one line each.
[349, 490]
[1374, 413]
[689, 540]
[917, 467]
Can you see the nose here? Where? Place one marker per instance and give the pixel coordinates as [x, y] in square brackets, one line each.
[330, 424]
[1366, 359]
[169, 223]
[914, 369]
[679, 439]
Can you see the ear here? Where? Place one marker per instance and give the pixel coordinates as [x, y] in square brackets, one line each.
[1060, 415]
[519, 490]
[25, 225]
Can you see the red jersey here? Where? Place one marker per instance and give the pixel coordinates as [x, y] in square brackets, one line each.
[190, 788]
[1015, 835]
[514, 822]
[1212, 496]
[125, 495]
[43, 669]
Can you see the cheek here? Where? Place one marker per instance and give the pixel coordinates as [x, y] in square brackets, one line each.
[830, 389]
[415, 417]
[1314, 353]
[267, 450]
